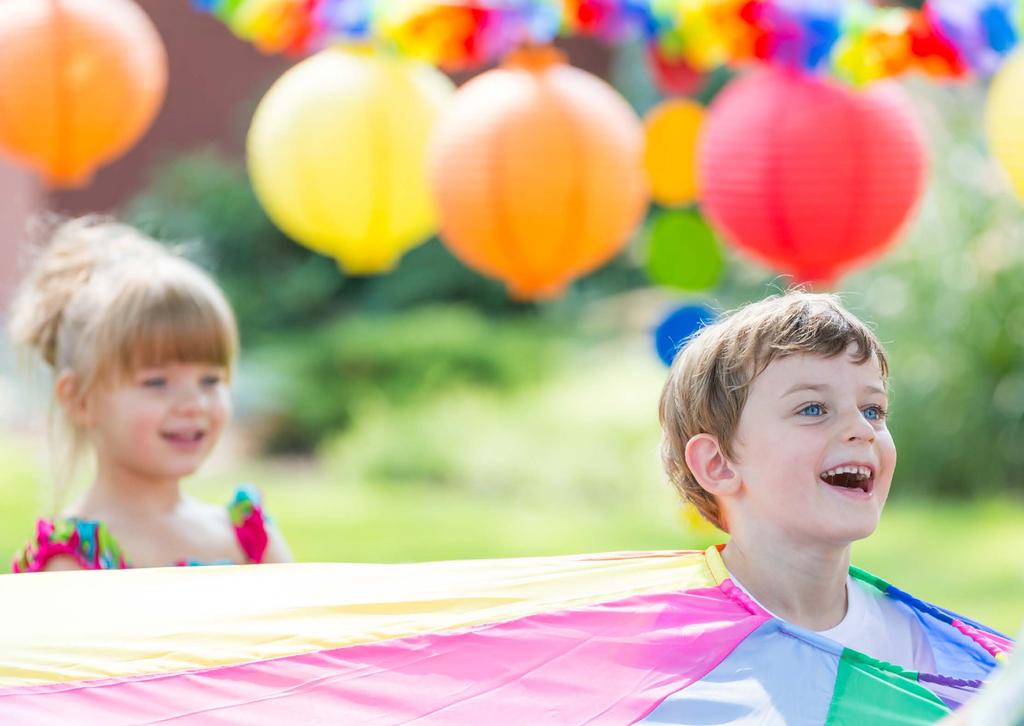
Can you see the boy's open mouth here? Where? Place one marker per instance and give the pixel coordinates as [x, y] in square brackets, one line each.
[850, 476]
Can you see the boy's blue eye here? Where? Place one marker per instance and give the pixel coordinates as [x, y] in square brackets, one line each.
[154, 382]
[813, 409]
[210, 380]
[874, 413]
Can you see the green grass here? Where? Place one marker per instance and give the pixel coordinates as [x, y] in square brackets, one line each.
[964, 557]
[568, 466]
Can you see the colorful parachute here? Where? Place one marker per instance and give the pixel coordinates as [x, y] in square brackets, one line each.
[622, 638]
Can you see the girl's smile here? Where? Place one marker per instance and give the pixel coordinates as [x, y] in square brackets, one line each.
[162, 422]
[184, 440]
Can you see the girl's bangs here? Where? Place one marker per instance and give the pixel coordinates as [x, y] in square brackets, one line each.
[179, 326]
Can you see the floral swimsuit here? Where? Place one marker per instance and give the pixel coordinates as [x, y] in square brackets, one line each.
[90, 544]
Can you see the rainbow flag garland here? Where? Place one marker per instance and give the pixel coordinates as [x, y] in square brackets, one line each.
[625, 638]
[853, 39]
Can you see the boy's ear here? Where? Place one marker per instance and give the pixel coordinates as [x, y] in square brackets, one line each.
[68, 394]
[709, 466]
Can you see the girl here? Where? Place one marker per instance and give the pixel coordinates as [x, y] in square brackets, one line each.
[142, 345]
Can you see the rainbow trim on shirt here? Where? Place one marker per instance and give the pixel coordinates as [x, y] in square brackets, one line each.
[650, 637]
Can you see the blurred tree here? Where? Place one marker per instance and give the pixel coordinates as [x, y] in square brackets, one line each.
[949, 304]
[948, 301]
[204, 201]
[322, 343]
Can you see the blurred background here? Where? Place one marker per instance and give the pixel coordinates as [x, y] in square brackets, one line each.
[427, 414]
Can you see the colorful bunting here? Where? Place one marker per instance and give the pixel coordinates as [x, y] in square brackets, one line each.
[854, 39]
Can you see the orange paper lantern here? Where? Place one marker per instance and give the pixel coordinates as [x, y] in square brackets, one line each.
[537, 169]
[80, 82]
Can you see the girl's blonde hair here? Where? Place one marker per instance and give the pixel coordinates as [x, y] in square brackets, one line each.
[710, 378]
[102, 301]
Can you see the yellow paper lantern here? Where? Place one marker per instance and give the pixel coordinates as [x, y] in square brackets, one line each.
[80, 82]
[670, 152]
[1005, 119]
[337, 155]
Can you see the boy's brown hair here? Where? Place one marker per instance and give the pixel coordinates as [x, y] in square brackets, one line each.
[711, 376]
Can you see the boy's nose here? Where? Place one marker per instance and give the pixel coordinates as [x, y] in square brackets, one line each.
[859, 428]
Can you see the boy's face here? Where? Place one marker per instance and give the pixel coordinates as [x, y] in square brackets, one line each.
[813, 450]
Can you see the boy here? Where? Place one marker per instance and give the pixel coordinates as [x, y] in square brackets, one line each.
[774, 428]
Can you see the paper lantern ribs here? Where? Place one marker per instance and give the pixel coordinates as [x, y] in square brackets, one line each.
[80, 82]
[537, 172]
[808, 176]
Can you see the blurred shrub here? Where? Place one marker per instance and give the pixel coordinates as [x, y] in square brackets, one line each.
[325, 377]
[948, 302]
[318, 345]
[588, 435]
[205, 201]
[949, 305]
[372, 358]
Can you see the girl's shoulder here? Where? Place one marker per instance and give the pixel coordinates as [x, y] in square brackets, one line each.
[255, 531]
[88, 542]
[249, 525]
[249, 521]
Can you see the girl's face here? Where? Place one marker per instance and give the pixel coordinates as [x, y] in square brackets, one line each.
[159, 423]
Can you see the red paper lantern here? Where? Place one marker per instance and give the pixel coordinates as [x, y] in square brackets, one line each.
[807, 175]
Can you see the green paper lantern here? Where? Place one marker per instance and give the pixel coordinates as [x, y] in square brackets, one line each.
[683, 252]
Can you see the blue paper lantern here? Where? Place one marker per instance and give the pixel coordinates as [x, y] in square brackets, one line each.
[675, 330]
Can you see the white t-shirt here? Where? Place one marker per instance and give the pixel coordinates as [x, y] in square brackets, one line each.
[879, 627]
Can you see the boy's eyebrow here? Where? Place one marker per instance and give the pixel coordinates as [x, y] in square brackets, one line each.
[819, 387]
[806, 387]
